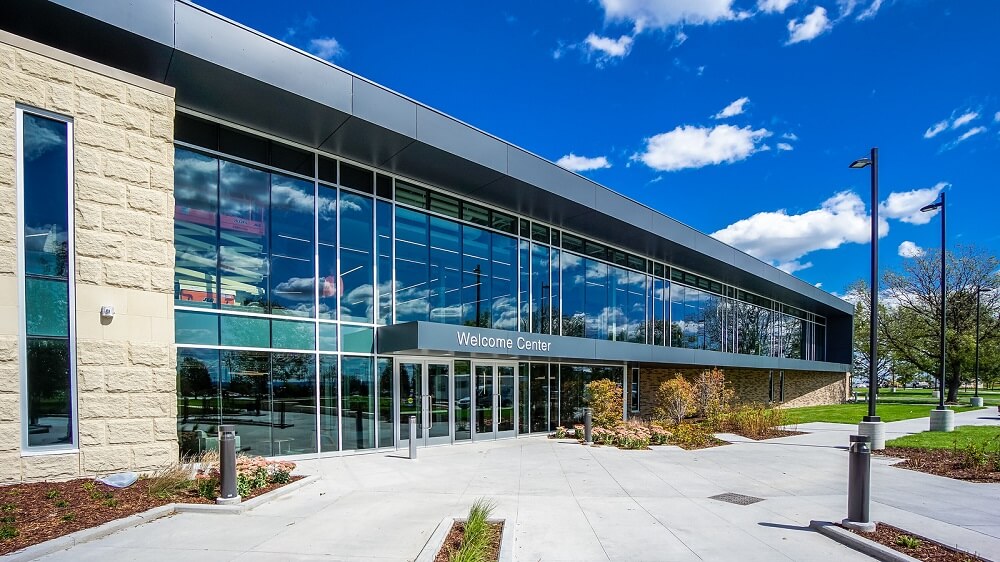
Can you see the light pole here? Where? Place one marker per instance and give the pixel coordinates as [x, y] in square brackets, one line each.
[976, 400]
[942, 419]
[872, 425]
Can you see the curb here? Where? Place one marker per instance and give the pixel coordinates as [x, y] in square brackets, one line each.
[433, 544]
[87, 535]
[859, 543]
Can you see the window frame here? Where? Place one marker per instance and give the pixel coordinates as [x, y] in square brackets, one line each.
[22, 343]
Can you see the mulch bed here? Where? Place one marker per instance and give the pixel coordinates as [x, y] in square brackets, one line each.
[42, 511]
[773, 434]
[453, 542]
[942, 462]
[928, 550]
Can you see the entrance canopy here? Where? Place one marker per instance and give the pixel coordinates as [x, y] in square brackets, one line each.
[432, 338]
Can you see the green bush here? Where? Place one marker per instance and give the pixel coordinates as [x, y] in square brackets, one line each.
[712, 396]
[7, 532]
[906, 541]
[691, 436]
[560, 432]
[674, 400]
[605, 400]
[752, 420]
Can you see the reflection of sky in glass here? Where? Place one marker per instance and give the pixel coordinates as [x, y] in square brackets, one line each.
[46, 195]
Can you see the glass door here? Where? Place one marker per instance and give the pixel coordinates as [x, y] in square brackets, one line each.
[495, 400]
[410, 389]
[506, 408]
[425, 391]
[438, 414]
[485, 397]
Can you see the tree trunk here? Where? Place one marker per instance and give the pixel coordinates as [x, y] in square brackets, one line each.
[954, 381]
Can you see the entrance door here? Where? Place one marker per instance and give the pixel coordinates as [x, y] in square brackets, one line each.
[424, 389]
[495, 400]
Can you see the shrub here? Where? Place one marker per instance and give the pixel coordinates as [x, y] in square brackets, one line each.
[578, 431]
[7, 532]
[207, 484]
[712, 395]
[753, 420]
[691, 436]
[605, 399]
[658, 435]
[632, 434]
[560, 432]
[979, 456]
[906, 541]
[674, 399]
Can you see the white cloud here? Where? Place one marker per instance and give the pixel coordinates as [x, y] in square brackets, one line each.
[608, 47]
[772, 6]
[732, 109]
[661, 14]
[818, 285]
[964, 119]
[790, 136]
[785, 146]
[873, 9]
[576, 163]
[905, 205]
[997, 117]
[811, 27]
[689, 146]
[783, 239]
[679, 39]
[326, 48]
[953, 123]
[970, 133]
[936, 129]
[908, 249]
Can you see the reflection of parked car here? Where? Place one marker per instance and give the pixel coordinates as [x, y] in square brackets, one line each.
[463, 402]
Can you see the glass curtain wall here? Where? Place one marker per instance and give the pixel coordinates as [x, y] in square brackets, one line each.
[296, 260]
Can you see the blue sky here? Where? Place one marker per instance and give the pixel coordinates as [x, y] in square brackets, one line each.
[737, 117]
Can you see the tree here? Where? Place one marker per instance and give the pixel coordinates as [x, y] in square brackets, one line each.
[912, 331]
[860, 294]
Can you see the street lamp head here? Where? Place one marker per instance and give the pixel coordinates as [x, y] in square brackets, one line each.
[860, 163]
[931, 207]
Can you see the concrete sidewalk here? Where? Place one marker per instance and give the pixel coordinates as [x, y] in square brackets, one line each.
[570, 502]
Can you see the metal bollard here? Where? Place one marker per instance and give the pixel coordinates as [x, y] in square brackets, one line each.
[859, 483]
[588, 425]
[413, 437]
[227, 465]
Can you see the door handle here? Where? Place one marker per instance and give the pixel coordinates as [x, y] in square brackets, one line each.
[428, 413]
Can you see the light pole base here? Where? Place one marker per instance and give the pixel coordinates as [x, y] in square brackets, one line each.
[868, 527]
[942, 420]
[874, 430]
[976, 401]
[228, 501]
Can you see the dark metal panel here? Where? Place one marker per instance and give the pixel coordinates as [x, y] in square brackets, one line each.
[360, 140]
[223, 93]
[429, 164]
[92, 38]
[529, 200]
[639, 217]
[460, 139]
[152, 19]
[216, 40]
[384, 108]
[534, 170]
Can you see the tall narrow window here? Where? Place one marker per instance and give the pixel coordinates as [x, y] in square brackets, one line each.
[44, 181]
[634, 391]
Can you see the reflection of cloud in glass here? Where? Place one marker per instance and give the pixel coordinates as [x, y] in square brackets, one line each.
[42, 135]
[296, 289]
[292, 194]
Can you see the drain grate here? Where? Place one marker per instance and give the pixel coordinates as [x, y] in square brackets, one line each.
[738, 499]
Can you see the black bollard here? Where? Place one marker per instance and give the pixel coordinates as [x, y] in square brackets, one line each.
[227, 465]
[588, 425]
[859, 484]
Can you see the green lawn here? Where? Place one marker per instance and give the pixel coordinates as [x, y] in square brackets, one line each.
[963, 436]
[852, 413]
[924, 396]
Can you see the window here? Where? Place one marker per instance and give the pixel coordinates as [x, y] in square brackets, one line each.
[45, 193]
[634, 390]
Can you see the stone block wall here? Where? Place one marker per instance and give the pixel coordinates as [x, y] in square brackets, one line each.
[801, 388]
[124, 206]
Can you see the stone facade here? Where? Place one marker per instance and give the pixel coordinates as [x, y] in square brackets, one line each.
[124, 207]
[801, 388]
